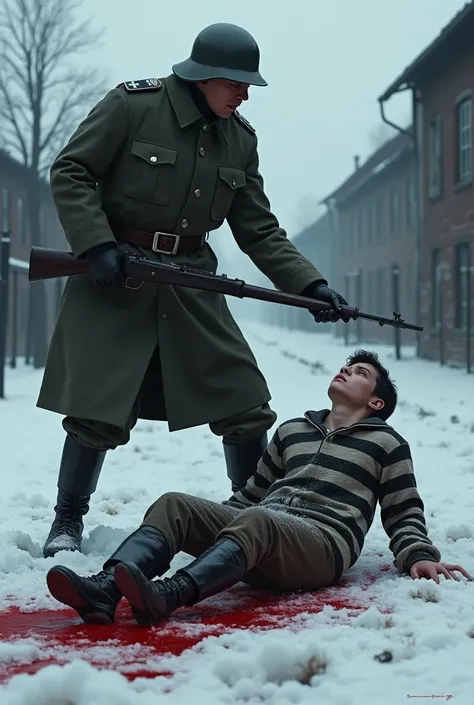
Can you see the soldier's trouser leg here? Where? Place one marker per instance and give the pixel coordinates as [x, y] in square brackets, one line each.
[85, 448]
[244, 441]
[279, 550]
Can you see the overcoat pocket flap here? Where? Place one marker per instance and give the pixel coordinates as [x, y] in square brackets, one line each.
[235, 178]
[154, 153]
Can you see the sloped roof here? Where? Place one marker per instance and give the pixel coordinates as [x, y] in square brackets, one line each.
[383, 157]
[454, 37]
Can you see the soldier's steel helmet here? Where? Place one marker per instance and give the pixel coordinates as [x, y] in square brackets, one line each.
[222, 50]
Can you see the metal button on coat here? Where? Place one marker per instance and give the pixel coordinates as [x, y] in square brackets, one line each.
[202, 151]
[153, 159]
[234, 182]
[205, 128]
[184, 223]
[197, 192]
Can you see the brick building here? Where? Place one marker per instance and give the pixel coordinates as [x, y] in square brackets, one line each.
[314, 242]
[14, 218]
[441, 79]
[374, 241]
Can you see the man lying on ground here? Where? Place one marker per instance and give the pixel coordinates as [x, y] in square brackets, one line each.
[298, 524]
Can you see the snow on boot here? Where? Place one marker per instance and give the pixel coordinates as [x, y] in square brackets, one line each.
[78, 476]
[66, 530]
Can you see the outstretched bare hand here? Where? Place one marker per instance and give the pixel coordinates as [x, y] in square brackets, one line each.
[431, 571]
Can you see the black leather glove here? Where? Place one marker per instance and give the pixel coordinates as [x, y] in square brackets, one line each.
[322, 292]
[105, 261]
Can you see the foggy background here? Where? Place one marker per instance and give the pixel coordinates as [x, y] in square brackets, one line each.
[325, 62]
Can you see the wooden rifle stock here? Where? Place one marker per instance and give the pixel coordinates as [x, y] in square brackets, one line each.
[51, 264]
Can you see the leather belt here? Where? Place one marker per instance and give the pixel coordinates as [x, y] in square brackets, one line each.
[163, 243]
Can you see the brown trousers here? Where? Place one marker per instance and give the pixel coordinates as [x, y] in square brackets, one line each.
[282, 551]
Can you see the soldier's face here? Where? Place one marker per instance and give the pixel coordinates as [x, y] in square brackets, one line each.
[223, 97]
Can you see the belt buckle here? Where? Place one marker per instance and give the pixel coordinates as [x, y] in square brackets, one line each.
[156, 239]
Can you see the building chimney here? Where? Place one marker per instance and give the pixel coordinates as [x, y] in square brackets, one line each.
[356, 162]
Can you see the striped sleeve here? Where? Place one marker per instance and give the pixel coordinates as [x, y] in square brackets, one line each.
[402, 511]
[269, 469]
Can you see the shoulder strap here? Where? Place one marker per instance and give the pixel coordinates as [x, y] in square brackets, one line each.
[144, 84]
[244, 122]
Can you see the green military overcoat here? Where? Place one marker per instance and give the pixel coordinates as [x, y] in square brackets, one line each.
[146, 157]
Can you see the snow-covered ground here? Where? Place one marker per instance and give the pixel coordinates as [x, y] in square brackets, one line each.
[430, 631]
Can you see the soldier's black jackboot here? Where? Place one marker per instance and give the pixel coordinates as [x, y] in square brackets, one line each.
[242, 460]
[78, 476]
[95, 598]
[220, 567]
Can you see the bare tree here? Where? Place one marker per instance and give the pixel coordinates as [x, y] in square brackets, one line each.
[44, 91]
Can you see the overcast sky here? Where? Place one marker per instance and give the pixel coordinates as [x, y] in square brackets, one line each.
[325, 63]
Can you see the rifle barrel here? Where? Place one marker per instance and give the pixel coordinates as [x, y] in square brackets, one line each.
[50, 264]
[396, 321]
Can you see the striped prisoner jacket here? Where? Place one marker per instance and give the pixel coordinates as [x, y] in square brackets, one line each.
[334, 479]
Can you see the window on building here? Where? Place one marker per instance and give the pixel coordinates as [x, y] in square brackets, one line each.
[374, 225]
[410, 201]
[346, 240]
[436, 288]
[462, 274]
[394, 212]
[353, 231]
[361, 226]
[435, 148]
[464, 140]
[5, 223]
[379, 222]
[368, 223]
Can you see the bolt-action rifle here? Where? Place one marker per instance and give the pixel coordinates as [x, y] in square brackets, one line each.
[52, 264]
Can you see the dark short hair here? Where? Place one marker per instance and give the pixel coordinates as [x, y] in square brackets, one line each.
[385, 387]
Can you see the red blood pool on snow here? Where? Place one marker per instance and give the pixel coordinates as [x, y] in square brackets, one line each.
[60, 636]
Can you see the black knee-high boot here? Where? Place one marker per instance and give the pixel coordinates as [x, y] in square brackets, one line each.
[242, 460]
[218, 568]
[96, 597]
[78, 476]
